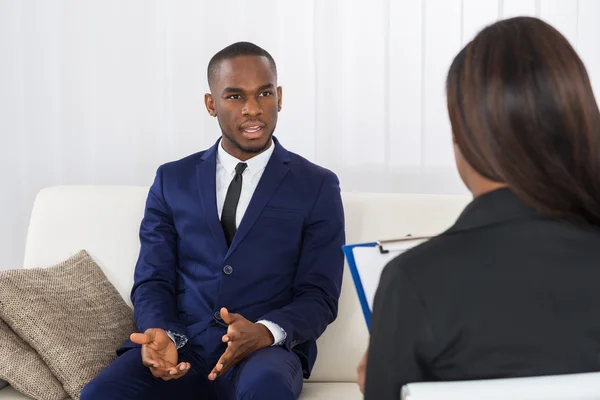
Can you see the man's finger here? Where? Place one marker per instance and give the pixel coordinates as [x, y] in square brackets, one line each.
[150, 363]
[227, 317]
[225, 362]
[163, 369]
[152, 360]
[175, 375]
[156, 373]
[216, 371]
[149, 358]
[166, 373]
[231, 336]
[182, 373]
[159, 372]
[179, 371]
[183, 366]
[140, 338]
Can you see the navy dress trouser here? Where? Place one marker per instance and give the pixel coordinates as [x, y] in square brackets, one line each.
[270, 373]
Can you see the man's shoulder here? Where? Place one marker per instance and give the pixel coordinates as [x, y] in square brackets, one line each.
[305, 167]
[183, 163]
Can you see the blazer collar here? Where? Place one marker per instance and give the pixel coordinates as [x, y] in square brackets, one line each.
[278, 152]
[495, 207]
[254, 165]
[276, 169]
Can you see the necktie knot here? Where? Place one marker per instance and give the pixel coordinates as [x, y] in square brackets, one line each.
[240, 167]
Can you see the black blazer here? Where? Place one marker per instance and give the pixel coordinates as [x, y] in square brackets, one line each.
[505, 292]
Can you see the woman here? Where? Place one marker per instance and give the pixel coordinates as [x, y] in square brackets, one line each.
[512, 289]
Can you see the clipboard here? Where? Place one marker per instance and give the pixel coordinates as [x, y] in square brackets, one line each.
[366, 262]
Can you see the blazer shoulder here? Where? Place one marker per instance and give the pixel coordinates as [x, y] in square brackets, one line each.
[183, 163]
[308, 168]
[431, 256]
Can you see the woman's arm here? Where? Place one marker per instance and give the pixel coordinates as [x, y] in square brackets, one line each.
[400, 333]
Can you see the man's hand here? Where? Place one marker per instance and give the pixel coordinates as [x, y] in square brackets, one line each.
[160, 354]
[243, 338]
[361, 370]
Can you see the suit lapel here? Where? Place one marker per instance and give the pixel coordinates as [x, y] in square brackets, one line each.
[206, 174]
[274, 173]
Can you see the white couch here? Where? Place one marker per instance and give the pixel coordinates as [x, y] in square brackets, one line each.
[104, 220]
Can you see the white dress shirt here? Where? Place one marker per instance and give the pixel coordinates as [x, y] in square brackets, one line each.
[250, 177]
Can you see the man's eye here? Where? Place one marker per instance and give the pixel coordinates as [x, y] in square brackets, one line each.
[266, 94]
[234, 97]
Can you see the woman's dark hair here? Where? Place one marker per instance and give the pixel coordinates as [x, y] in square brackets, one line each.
[523, 113]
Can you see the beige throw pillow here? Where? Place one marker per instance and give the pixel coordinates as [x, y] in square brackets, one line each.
[24, 370]
[70, 314]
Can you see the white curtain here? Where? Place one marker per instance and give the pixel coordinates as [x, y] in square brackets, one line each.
[104, 91]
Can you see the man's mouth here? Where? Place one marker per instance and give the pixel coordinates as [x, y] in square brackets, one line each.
[252, 129]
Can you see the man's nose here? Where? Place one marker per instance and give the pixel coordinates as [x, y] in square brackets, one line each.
[252, 107]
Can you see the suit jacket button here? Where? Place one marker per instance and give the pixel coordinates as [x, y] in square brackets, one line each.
[218, 315]
[228, 269]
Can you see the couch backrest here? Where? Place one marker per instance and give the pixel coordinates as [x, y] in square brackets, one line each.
[371, 217]
[104, 220]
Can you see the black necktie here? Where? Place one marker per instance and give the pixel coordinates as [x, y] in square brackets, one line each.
[231, 203]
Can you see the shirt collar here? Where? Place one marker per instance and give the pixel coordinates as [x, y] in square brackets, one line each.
[254, 164]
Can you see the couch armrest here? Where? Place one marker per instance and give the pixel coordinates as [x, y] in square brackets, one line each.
[584, 386]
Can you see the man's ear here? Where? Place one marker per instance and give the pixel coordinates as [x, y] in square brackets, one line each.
[279, 98]
[209, 102]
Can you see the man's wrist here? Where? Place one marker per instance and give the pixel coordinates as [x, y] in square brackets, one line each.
[266, 334]
[277, 333]
[178, 339]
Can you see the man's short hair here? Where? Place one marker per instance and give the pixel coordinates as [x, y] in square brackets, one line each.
[236, 50]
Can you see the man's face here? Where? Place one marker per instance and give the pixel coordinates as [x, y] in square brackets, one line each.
[245, 99]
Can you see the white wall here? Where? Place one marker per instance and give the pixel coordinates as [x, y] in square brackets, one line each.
[103, 91]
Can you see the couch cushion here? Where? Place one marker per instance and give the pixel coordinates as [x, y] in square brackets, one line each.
[70, 314]
[3, 383]
[328, 391]
[310, 391]
[24, 369]
[10, 393]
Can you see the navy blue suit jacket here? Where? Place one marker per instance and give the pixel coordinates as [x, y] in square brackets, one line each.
[286, 257]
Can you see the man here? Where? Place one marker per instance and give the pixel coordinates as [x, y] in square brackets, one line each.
[240, 265]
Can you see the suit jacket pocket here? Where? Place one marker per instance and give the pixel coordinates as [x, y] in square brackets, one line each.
[282, 213]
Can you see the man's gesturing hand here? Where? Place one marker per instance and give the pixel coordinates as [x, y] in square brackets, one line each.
[243, 338]
[160, 354]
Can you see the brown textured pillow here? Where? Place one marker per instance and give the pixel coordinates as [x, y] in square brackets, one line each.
[24, 370]
[70, 314]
